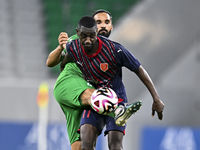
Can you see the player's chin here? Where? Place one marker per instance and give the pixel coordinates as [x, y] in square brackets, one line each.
[87, 47]
[103, 33]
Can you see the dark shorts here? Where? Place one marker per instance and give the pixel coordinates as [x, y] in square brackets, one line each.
[99, 121]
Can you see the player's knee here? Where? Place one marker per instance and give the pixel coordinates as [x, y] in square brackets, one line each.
[89, 134]
[115, 145]
[115, 141]
[87, 145]
[86, 96]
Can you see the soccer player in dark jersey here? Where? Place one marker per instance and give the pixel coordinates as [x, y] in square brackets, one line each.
[101, 61]
[70, 85]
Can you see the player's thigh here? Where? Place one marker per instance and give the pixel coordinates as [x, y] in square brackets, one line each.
[93, 118]
[115, 139]
[115, 133]
[69, 90]
[89, 134]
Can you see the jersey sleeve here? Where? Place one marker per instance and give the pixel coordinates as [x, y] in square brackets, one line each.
[68, 47]
[73, 37]
[69, 43]
[126, 58]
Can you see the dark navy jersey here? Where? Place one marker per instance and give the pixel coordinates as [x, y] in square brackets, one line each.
[104, 68]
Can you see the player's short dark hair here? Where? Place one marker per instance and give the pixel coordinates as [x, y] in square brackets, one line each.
[87, 21]
[102, 11]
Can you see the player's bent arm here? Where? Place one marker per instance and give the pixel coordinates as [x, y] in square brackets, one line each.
[54, 57]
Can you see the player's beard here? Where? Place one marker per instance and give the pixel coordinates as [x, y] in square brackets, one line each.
[106, 34]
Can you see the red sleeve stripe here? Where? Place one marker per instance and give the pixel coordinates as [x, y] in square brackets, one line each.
[78, 50]
[73, 53]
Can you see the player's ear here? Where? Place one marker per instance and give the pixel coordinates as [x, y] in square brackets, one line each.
[77, 31]
[112, 28]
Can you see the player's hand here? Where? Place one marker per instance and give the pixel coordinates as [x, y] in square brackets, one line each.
[158, 106]
[62, 39]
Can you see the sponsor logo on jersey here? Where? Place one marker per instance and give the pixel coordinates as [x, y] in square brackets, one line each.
[104, 66]
[89, 84]
[119, 50]
[79, 63]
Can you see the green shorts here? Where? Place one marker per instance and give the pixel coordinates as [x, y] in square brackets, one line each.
[68, 88]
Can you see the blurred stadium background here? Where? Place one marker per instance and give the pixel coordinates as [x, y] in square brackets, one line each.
[163, 34]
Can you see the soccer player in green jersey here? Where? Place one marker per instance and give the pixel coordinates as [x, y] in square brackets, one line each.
[72, 93]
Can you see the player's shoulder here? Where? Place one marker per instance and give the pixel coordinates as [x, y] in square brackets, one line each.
[71, 40]
[103, 38]
[73, 37]
[114, 43]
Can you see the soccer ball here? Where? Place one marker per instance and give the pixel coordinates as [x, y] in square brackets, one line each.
[104, 100]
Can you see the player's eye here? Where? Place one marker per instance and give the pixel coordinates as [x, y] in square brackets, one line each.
[107, 21]
[93, 35]
[98, 22]
[82, 35]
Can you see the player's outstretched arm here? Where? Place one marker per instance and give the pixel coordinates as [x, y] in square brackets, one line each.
[158, 105]
[54, 57]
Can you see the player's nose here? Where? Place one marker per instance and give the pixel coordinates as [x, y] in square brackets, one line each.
[88, 41]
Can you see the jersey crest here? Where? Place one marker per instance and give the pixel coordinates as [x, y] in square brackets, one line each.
[104, 66]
